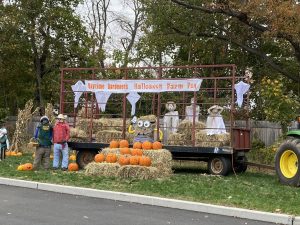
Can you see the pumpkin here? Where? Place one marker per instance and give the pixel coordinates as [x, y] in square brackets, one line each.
[147, 145]
[124, 144]
[124, 160]
[20, 167]
[145, 161]
[27, 166]
[137, 145]
[114, 144]
[111, 158]
[73, 167]
[136, 151]
[124, 151]
[157, 145]
[13, 153]
[72, 157]
[19, 154]
[99, 158]
[8, 153]
[134, 160]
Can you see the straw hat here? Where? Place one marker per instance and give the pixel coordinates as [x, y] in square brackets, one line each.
[60, 116]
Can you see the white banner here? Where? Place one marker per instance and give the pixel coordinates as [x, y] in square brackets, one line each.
[142, 86]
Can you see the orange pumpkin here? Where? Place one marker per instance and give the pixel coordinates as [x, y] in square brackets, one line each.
[27, 166]
[124, 151]
[137, 145]
[134, 160]
[114, 144]
[124, 160]
[136, 151]
[73, 167]
[147, 145]
[124, 144]
[111, 158]
[157, 145]
[99, 158]
[145, 161]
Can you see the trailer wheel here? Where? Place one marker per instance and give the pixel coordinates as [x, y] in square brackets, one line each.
[286, 162]
[219, 165]
[84, 157]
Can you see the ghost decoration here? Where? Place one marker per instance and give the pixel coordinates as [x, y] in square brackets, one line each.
[78, 89]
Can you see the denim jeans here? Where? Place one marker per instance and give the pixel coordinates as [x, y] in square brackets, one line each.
[63, 149]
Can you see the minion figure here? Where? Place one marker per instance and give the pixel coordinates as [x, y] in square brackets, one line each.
[144, 129]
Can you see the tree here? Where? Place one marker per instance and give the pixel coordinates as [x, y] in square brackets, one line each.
[130, 29]
[51, 34]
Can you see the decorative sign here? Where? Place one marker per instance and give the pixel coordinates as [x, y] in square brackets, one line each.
[142, 86]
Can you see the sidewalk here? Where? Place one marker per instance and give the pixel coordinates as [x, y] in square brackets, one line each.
[156, 201]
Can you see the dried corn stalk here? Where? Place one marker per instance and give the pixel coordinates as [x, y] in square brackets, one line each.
[49, 113]
[21, 137]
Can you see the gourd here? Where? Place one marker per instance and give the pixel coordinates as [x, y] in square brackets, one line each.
[124, 144]
[99, 158]
[124, 151]
[111, 158]
[157, 145]
[73, 167]
[147, 145]
[145, 161]
[114, 144]
[137, 145]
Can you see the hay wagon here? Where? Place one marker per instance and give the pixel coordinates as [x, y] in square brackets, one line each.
[100, 110]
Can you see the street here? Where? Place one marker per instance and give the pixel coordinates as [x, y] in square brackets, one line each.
[21, 206]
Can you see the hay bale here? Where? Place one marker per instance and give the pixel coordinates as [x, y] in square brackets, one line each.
[178, 139]
[138, 172]
[186, 126]
[102, 169]
[116, 151]
[106, 136]
[162, 160]
[215, 140]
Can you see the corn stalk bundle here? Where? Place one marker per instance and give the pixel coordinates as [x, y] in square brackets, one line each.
[21, 136]
[49, 113]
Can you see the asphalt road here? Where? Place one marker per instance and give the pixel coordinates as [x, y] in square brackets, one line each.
[22, 206]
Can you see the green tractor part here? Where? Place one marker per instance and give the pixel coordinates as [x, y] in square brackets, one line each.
[287, 160]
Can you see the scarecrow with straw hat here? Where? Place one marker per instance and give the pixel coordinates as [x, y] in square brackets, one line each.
[215, 123]
[61, 134]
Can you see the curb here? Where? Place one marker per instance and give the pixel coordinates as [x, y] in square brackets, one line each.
[156, 201]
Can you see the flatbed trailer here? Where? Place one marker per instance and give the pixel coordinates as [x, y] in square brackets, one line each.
[220, 90]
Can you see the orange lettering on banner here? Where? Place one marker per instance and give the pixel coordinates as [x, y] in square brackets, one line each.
[118, 86]
[174, 86]
[143, 86]
[192, 86]
[96, 86]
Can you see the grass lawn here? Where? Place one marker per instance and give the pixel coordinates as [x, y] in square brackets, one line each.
[251, 190]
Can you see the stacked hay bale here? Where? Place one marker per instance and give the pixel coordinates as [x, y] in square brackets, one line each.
[215, 140]
[102, 169]
[184, 133]
[161, 164]
[77, 135]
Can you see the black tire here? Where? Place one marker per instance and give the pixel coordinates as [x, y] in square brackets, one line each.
[84, 157]
[287, 162]
[241, 167]
[219, 165]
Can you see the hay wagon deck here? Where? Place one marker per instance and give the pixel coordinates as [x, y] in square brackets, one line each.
[97, 117]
